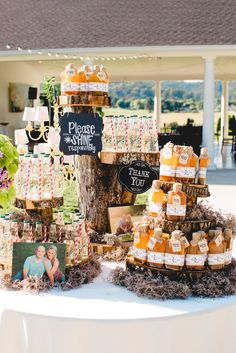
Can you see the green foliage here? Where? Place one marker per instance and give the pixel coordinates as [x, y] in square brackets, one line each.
[8, 162]
[49, 89]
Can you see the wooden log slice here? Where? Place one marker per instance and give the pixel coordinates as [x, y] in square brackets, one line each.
[119, 158]
[37, 205]
[192, 190]
[85, 99]
[98, 188]
[134, 265]
[187, 227]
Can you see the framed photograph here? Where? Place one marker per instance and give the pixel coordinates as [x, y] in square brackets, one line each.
[38, 260]
[122, 218]
[18, 97]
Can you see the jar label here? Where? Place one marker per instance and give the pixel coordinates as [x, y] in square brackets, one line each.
[152, 242]
[155, 207]
[174, 259]
[140, 254]
[185, 172]
[203, 246]
[136, 237]
[156, 257]
[183, 159]
[84, 87]
[173, 210]
[176, 200]
[101, 75]
[202, 172]
[176, 246]
[167, 153]
[228, 257]
[75, 86]
[70, 72]
[195, 260]
[216, 259]
[185, 242]
[167, 170]
[218, 240]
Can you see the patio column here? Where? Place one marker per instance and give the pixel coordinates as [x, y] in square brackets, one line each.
[209, 108]
[224, 123]
[157, 104]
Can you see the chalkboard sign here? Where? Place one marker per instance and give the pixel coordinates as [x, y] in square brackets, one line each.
[81, 133]
[137, 177]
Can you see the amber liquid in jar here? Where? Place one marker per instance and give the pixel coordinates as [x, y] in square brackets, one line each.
[141, 239]
[156, 249]
[156, 199]
[203, 163]
[176, 204]
[167, 163]
[175, 252]
[217, 248]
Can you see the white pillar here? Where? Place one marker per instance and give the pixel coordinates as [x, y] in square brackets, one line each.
[224, 123]
[209, 108]
[157, 104]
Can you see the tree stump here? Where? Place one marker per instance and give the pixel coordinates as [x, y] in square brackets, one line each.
[98, 188]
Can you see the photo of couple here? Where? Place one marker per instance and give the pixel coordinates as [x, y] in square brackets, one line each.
[43, 263]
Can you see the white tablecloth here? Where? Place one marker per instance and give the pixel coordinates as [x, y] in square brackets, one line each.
[101, 317]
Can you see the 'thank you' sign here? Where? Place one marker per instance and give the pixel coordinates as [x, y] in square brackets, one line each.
[137, 177]
[81, 133]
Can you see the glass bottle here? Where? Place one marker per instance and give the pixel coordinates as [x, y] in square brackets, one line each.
[84, 78]
[70, 244]
[175, 252]
[5, 244]
[25, 175]
[53, 232]
[34, 181]
[141, 240]
[167, 163]
[203, 163]
[95, 81]
[186, 164]
[38, 233]
[156, 199]
[46, 177]
[60, 218]
[228, 236]
[217, 248]
[58, 177]
[156, 248]
[196, 252]
[104, 80]
[70, 84]
[26, 232]
[176, 204]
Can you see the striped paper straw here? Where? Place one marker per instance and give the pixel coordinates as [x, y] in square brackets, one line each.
[40, 178]
[113, 134]
[59, 239]
[27, 179]
[51, 177]
[31, 233]
[141, 133]
[126, 135]
[45, 234]
[17, 233]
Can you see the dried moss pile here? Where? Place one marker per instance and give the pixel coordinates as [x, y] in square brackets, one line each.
[145, 284]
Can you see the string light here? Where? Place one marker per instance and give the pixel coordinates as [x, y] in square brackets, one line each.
[82, 58]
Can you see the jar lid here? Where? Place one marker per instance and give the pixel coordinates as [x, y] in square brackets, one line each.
[39, 222]
[26, 221]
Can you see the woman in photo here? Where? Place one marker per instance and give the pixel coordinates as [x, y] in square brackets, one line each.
[54, 273]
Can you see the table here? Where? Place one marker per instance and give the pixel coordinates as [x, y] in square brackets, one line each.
[101, 317]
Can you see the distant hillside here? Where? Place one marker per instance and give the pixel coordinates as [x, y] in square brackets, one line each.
[176, 95]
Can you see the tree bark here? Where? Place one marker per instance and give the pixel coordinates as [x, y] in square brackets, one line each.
[98, 188]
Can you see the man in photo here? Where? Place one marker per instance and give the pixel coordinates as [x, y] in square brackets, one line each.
[34, 265]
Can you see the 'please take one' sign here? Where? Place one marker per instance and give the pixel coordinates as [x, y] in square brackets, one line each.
[137, 177]
[81, 134]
